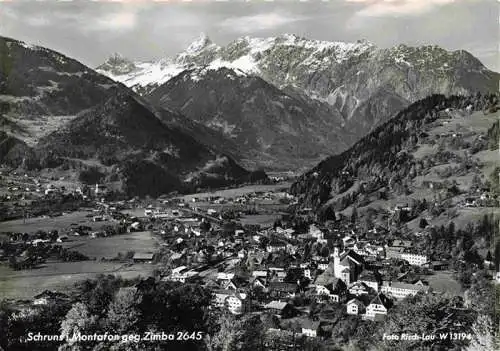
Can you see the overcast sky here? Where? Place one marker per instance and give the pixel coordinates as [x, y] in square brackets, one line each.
[92, 30]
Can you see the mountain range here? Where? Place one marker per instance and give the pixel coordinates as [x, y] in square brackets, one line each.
[60, 115]
[202, 118]
[353, 87]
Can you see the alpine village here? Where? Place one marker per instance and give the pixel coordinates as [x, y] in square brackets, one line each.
[277, 193]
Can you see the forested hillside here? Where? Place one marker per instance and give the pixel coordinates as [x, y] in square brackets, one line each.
[384, 158]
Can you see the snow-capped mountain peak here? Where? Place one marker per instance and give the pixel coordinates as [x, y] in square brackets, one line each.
[199, 44]
[116, 58]
[117, 65]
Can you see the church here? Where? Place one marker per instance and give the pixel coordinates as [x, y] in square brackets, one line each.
[347, 266]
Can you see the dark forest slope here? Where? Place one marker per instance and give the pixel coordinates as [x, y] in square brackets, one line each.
[383, 158]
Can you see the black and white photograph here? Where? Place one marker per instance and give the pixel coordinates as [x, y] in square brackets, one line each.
[249, 175]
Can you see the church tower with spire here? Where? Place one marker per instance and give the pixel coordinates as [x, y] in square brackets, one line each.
[336, 262]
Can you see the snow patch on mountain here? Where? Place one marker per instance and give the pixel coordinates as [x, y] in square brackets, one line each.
[148, 73]
[401, 59]
[29, 46]
[222, 125]
[172, 151]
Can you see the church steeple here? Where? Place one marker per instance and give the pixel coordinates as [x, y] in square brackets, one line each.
[336, 262]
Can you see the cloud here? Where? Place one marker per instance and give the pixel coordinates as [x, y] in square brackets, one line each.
[38, 21]
[258, 22]
[120, 21]
[382, 8]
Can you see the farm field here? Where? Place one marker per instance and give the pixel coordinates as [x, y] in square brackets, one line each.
[109, 247]
[135, 212]
[459, 122]
[31, 225]
[263, 220]
[443, 281]
[489, 160]
[466, 215]
[228, 193]
[61, 276]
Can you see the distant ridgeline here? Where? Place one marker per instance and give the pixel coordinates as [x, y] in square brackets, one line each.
[381, 158]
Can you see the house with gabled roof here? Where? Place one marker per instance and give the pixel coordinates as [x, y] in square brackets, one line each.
[333, 291]
[371, 278]
[258, 282]
[309, 327]
[355, 307]
[237, 283]
[378, 306]
[47, 297]
[359, 288]
[281, 308]
[282, 290]
[278, 276]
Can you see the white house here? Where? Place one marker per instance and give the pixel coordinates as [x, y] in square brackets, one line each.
[262, 274]
[48, 296]
[287, 233]
[323, 265]
[278, 276]
[402, 290]
[310, 328]
[414, 259]
[275, 247]
[235, 302]
[358, 289]
[220, 298]
[348, 241]
[378, 306]
[182, 274]
[225, 276]
[355, 307]
[335, 291]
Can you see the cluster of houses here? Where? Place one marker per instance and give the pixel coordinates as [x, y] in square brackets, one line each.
[256, 270]
[246, 198]
[350, 277]
[484, 199]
